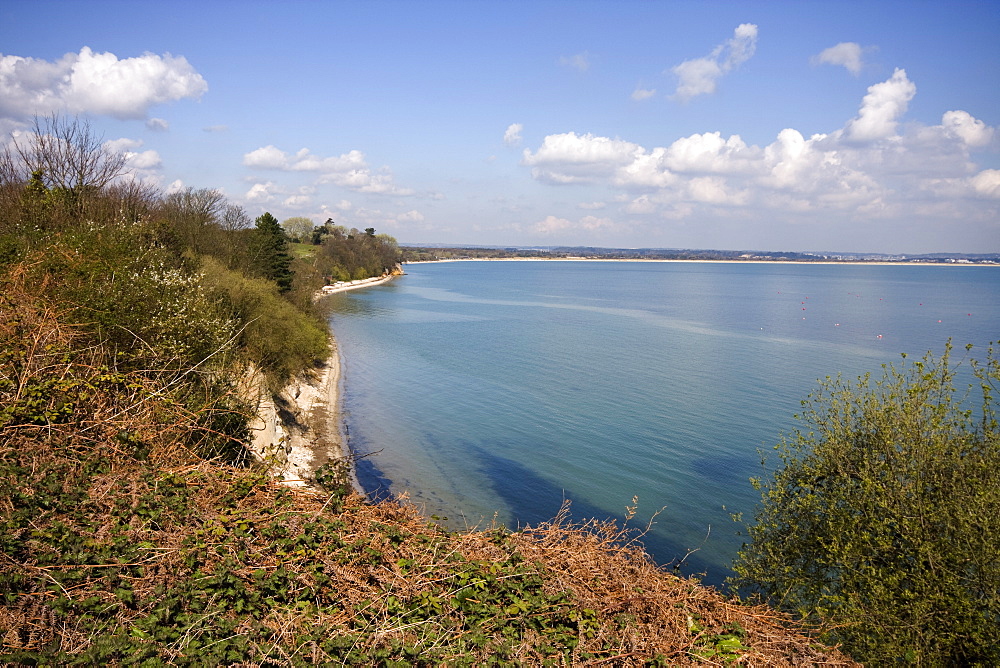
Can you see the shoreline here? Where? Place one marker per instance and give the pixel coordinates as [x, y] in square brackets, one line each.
[302, 428]
[638, 259]
[344, 286]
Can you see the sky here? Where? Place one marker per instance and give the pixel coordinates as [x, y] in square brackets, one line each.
[801, 126]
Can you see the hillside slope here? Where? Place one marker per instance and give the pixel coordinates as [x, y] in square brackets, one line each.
[121, 545]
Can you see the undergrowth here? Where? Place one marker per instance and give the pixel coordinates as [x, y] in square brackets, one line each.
[122, 544]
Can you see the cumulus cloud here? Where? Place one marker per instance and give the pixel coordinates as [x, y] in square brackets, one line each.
[699, 76]
[157, 125]
[99, 83]
[142, 165]
[640, 94]
[987, 183]
[881, 108]
[348, 170]
[512, 136]
[568, 158]
[412, 216]
[847, 54]
[579, 62]
[970, 130]
[870, 167]
[297, 201]
[552, 224]
[262, 193]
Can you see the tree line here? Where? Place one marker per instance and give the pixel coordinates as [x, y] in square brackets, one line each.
[181, 282]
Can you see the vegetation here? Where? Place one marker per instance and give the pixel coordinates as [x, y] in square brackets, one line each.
[120, 545]
[883, 523]
[134, 529]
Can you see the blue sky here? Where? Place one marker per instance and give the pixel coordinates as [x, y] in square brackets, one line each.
[811, 126]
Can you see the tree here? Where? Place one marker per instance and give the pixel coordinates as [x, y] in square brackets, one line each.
[299, 229]
[66, 160]
[883, 524]
[195, 216]
[271, 246]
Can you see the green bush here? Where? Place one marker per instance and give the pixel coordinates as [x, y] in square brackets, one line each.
[278, 337]
[883, 524]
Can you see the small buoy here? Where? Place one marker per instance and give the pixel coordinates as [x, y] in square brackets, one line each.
[879, 336]
[939, 321]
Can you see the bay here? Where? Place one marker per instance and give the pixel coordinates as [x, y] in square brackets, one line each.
[496, 391]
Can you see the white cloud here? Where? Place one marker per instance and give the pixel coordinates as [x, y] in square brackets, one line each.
[411, 217]
[710, 153]
[343, 205]
[987, 183]
[297, 201]
[640, 94]
[142, 165]
[881, 108]
[349, 170]
[266, 157]
[512, 136]
[568, 158]
[157, 125]
[552, 224]
[580, 61]
[847, 54]
[97, 83]
[871, 168]
[261, 193]
[699, 76]
[971, 130]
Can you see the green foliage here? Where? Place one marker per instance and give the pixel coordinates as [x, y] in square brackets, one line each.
[299, 229]
[335, 477]
[883, 523]
[279, 338]
[348, 255]
[270, 252]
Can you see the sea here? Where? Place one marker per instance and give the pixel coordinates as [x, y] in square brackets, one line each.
[647, 393]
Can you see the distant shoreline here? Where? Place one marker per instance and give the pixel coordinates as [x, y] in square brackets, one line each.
[638, 259]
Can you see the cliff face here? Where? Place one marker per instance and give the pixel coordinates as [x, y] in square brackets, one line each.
[298, 430]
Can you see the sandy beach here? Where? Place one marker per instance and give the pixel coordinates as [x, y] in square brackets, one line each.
[301, 429]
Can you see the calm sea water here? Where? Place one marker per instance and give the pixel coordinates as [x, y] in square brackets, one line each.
[498, 390]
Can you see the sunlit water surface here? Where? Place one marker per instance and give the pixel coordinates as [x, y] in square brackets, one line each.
[501, 389]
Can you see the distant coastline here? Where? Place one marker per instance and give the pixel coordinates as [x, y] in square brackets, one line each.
[908, 263]
[591, 253]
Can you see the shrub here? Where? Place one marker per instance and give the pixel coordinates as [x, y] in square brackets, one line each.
[275, 335]
[883, 524]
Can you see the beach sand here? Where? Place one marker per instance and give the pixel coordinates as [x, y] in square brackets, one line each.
[301, 429]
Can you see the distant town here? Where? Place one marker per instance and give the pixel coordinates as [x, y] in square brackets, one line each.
[426, 252]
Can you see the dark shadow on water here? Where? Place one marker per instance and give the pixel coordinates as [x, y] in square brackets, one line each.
[533, 500]
[376, 485]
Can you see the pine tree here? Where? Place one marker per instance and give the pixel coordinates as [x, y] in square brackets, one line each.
[273, 259]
